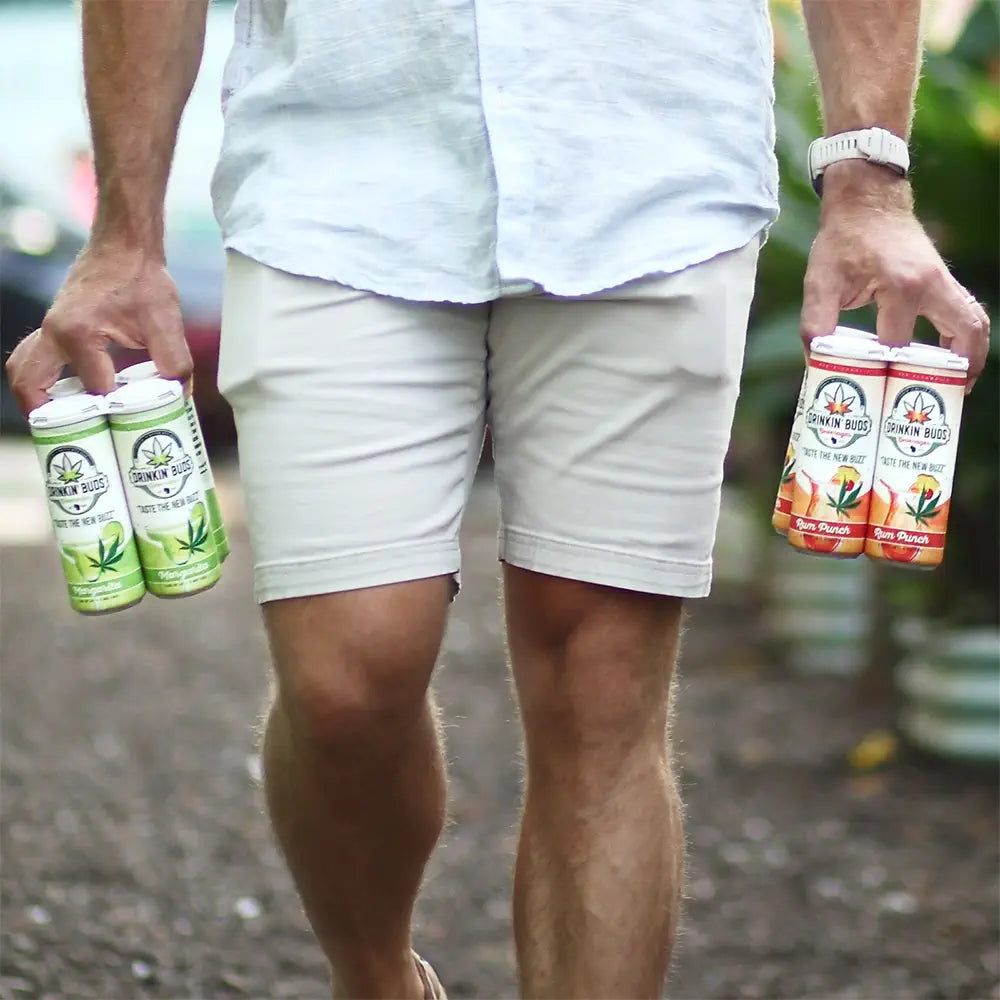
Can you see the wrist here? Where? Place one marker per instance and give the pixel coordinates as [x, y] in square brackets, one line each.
[861, 184]
[125, 232]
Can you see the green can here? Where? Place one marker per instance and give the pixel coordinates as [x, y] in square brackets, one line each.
[147, 369]
[70, 386]
[86, 501]
[163, 487]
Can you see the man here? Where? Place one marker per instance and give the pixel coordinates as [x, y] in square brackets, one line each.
[544, 215]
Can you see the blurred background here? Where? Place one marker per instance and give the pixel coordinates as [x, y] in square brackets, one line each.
[839, 721]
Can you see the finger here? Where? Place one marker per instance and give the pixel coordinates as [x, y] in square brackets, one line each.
[960, 320]
[33, 367]
[171, 354]
[895, 318]
[821, 298]
[93, 364]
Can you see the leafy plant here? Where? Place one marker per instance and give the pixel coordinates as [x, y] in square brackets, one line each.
[847, 500]
[107, 556]
[926, 507]
[197, 536]
[157, 454]
[70, 471]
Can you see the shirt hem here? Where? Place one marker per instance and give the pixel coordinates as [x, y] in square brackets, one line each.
[292, 262]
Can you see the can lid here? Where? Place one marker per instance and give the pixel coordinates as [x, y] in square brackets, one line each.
[862, 349]
[850, 331]
[144, 369]
[928, 356]
[71, 386]
[145, 394]
[65, 410]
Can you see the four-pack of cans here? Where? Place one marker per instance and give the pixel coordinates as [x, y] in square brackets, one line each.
[871, 457]
[130, 491]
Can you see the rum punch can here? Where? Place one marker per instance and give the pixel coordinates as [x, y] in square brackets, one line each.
[918, 445]
[786, 486]
[163, 487]
[86, 502]
[845, 386]
[147, 369]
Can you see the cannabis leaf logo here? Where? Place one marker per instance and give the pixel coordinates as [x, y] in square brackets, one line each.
[928, 496]
[839, 402]
[788, 470]
[157, 454]
[107, 556]
[920, 410]
[850, 490]
[69, 471]
[197, 536]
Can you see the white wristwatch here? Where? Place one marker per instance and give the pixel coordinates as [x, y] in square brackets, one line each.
[876, 145]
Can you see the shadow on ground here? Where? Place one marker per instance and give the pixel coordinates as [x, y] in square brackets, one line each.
[137, 861]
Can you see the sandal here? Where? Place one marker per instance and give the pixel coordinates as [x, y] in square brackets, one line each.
[433, 990]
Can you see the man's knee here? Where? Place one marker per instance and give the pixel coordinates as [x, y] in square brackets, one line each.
[593, 664]
[353, 668]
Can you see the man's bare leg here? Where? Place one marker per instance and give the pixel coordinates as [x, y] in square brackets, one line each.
[353, 770]
[600, 859]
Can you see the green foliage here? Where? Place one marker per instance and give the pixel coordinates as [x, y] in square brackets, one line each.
[956, 177]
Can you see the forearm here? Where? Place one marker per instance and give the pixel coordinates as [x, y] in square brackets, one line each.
[140, 60]
[868, 59]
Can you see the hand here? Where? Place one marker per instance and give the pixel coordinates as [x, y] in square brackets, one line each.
[870, 247]
[112, 293]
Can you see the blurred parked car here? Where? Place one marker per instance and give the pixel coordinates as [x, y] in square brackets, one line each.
[47, 192]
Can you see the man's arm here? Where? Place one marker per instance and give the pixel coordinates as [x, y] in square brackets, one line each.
[870, 246]
[141, 58]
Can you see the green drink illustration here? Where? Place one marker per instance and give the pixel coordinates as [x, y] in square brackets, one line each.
[87, 504]
[147, 369]
[163, 486]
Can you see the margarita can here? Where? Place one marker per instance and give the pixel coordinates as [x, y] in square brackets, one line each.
[786, 487]
[166, 496]
[845, 385]
[147, 369]
[918, 443]
[70, 386]
[87, 504]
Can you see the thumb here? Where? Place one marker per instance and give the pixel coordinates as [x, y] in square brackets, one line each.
[821, 298]
[895, 319]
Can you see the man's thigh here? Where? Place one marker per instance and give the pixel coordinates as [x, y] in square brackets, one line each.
[611, 416]
[360, 421]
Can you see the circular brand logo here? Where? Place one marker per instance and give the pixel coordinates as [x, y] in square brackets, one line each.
[160, 466]
[838, 413]
[72, 479]
[917, 422]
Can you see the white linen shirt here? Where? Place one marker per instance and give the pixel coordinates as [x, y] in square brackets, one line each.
[458, 150]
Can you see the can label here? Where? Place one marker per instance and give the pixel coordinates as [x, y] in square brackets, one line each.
[836, 455]
[915, 471]
[219, 535]
[167, 502]
[786, 487]
[90, 517]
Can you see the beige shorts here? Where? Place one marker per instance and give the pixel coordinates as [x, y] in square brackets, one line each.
[361, 418]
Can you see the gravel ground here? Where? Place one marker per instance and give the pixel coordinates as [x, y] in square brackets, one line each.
[137, 862]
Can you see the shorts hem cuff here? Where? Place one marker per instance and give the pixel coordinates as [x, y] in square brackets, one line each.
[355, 570]
[607, 567]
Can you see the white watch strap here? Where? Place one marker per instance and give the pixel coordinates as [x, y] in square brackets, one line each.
[876, 145]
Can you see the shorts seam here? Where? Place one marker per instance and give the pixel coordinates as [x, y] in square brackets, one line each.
[604, 565]
[354, 570]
